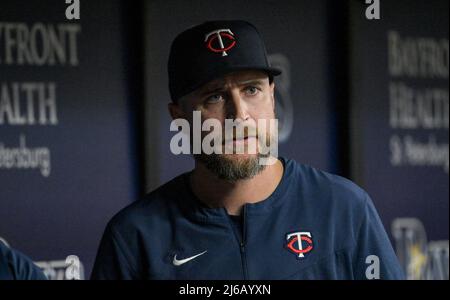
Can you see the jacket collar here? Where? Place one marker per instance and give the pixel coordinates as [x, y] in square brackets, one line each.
[199, 211]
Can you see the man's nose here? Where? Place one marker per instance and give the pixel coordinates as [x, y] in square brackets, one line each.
[236, 108]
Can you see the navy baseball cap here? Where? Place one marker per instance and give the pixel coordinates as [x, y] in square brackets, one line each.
[211, 50]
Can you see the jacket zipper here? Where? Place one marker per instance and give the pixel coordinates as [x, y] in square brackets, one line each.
[241, 241]
[242, 245]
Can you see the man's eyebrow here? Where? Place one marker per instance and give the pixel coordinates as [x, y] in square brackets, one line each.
[252, 81]
[211, 87]
[218, 86]
[210, 90]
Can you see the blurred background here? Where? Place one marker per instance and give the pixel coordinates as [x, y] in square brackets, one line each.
[84, 126]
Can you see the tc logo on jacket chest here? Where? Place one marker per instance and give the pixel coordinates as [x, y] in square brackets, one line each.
[299, 243]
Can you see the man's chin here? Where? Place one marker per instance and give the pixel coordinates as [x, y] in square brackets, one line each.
[238, 157]
[232, 167]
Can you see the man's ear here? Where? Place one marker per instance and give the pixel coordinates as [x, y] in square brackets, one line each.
[175, 110]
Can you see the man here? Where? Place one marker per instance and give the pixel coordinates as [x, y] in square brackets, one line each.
[233, 217]
[17, 266]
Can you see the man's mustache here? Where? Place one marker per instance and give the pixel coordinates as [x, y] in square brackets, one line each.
[240, 134]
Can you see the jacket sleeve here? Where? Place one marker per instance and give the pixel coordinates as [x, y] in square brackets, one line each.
[374, 257]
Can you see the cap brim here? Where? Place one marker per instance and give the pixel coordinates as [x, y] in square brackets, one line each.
[268, 70]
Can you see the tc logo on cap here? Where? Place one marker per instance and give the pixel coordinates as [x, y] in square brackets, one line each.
[225, 39]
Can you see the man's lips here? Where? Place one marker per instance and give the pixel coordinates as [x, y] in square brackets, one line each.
[240, 140]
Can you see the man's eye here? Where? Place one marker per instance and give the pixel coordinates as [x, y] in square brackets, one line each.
[251, 90]
[214, 98]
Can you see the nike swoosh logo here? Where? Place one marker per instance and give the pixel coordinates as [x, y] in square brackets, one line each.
[179, 262]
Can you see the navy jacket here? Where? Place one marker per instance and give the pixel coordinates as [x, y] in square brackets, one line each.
[315, 225]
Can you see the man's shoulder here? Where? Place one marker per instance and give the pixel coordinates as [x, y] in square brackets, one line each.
[341, 202]
[328, 186]
[153, 207]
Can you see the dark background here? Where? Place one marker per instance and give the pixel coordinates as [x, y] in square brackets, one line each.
[111, 145]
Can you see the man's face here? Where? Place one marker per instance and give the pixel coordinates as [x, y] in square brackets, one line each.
[245, 97]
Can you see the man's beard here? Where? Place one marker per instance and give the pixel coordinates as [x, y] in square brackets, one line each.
[232, 170]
